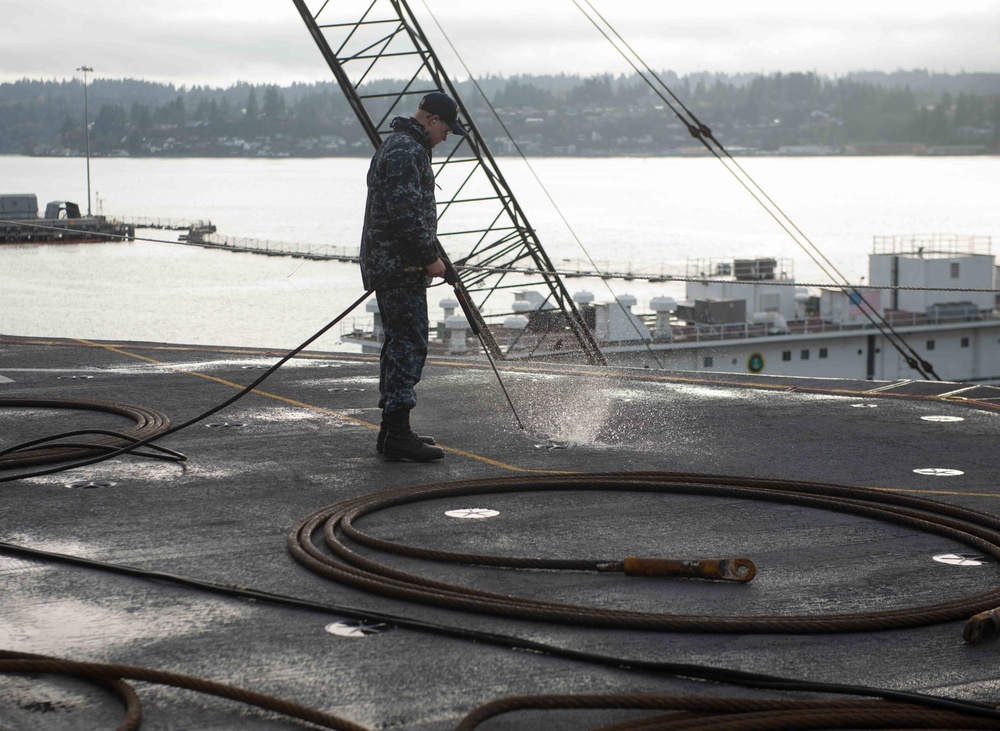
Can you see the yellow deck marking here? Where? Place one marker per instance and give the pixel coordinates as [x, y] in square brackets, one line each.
[313, 407]
[541, 368]
[504, 465]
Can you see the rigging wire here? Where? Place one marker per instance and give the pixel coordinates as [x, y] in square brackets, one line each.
[699, 131]
[569, 273]
[628, 316]
[702, 133]
[702, 278]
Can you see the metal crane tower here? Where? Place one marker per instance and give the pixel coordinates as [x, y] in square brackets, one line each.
[384, 65]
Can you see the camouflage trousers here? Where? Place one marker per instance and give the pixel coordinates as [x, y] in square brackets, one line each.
[403, 311]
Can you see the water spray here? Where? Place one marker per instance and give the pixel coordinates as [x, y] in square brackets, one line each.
[451, 277]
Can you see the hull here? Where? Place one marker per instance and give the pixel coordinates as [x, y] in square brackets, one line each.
[961, 351]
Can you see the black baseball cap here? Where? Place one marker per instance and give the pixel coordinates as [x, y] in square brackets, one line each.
[445, 107]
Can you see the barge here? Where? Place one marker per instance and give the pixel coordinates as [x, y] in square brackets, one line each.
[62, 223]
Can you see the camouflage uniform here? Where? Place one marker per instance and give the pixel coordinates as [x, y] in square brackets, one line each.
[399, 233]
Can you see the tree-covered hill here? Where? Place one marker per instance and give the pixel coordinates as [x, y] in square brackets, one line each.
[907, 111]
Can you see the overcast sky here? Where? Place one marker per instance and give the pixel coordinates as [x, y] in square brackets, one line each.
[220, 42]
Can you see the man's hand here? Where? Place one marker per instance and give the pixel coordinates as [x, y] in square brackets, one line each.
[436, 269]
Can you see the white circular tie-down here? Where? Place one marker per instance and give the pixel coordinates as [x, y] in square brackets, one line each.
[938, 472]
[943, 419]
[962, 559]
[357, 628]
[472, 513]
[89, 484]
[553, 444]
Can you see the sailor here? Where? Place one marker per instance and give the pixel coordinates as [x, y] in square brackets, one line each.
[400, 255]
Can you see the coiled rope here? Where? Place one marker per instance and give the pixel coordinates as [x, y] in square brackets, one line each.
[336, 559]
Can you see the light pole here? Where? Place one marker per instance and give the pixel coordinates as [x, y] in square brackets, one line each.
[86, 126]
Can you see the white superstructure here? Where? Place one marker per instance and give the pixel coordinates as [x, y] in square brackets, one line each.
[934, 295]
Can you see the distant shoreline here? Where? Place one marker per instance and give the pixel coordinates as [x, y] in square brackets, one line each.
[795, 114]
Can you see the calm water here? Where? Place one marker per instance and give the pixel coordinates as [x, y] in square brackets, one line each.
[651, 213]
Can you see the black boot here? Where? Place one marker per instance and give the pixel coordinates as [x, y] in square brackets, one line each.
[402, 444]
[384, 429]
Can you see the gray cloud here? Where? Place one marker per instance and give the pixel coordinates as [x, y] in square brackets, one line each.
[265, 41]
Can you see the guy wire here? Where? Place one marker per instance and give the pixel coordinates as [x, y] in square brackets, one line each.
[545, 190]
[700, 131]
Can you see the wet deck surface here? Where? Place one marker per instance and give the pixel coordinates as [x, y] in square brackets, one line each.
[305, 440]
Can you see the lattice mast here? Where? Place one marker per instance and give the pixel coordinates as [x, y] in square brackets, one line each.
[384, 64]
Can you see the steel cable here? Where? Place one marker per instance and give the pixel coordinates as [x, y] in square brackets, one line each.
[734, 713]
[148, 424]
[703, 133]
[23, 662]
[883, 709]
[687, 713]
[655, 668]
[16, 662]
[335, 558]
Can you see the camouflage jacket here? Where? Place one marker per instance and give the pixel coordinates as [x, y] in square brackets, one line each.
[400, 228]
